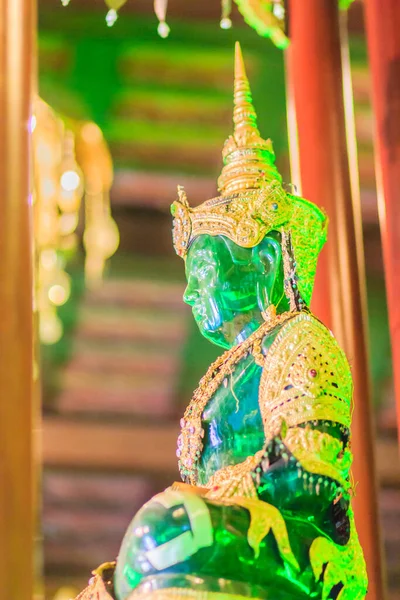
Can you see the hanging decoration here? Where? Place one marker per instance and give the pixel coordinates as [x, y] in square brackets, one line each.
[160, 8]
[101, 236]
[114, 6]
[267, 17]
[60, 180]
[53, 284]
[226, 7]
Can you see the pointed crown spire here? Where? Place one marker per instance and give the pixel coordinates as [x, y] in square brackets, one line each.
[249, 160]
[244, 114]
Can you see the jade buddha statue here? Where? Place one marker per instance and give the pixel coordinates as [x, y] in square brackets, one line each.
[264, 509]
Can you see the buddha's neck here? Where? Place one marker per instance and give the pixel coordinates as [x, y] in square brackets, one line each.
[247, 330]
[253, 322]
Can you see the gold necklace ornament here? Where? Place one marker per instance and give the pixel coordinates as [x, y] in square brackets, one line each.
[190, 443]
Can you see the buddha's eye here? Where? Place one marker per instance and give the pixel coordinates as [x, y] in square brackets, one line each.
[206, 272]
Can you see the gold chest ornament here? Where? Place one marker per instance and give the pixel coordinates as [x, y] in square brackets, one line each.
[305, 378]
[190, 443]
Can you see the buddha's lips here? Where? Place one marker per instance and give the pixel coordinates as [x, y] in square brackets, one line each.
[198, 310]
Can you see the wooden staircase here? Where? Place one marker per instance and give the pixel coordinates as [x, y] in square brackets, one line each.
[126, 354]
[110, 431]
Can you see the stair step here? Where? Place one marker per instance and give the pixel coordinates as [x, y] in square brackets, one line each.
[106, 491]
[129, 446]
[130, 325]
[149, 349]
[86, 525]
[82, 557]
[136, 188]
[98, 400]
[104, 362]
[137, 293]
[130, 382]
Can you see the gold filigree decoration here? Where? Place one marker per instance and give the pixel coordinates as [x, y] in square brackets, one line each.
[245, 219]
[340, 564]
[308, 231]
[320, 453]
[265, 518]
[252, 201]
[97, 588]
[235, 480]
[190, 440]
[288, 269]
[306, 377]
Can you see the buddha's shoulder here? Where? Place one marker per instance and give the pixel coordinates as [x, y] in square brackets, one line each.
[302, 338]
[305, 376]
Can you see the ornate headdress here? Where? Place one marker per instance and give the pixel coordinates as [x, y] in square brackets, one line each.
[253, 201]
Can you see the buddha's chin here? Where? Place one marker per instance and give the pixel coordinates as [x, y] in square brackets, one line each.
[213, 334]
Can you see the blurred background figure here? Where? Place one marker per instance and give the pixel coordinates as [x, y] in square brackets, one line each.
[117, 378]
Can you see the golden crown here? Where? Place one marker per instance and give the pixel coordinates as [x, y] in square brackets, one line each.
[252, 201]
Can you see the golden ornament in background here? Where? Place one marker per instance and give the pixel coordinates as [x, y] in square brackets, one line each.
[65, 593]
[101, 236]
[68, 162]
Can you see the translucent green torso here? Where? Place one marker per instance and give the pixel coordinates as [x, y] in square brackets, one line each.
[232, 421]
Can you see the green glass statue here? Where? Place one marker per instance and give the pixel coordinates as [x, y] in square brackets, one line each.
[264, 510]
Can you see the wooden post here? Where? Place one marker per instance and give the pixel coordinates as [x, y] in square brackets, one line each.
[323, 145]
[383, 26]
[16, 345]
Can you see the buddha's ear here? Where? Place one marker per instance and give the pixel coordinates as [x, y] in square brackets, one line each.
[267, 259]
[267, 256]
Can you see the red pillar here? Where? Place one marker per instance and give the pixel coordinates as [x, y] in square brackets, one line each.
[383, 27]
[323, 147]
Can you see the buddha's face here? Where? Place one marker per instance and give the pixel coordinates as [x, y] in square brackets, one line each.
[223, 288]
